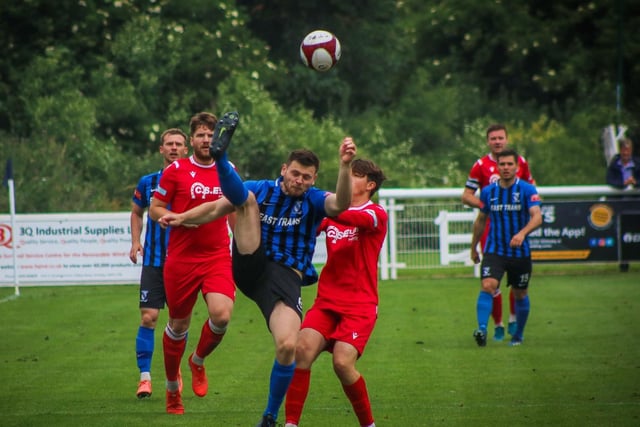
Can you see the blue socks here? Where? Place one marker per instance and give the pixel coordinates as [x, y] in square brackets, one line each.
[280, 378]
[522, 314]
[232, 186]
[144, 348]
[483, 309]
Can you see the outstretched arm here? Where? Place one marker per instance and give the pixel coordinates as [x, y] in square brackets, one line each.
[340, 201]
[206, 212]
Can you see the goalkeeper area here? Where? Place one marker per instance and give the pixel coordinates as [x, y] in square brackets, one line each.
[68, 358]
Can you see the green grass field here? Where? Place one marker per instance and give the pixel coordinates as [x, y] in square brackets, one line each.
[67, 359]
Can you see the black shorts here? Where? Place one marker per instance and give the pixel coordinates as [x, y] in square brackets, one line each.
[518, 269]
[266, 282]
[152, 288]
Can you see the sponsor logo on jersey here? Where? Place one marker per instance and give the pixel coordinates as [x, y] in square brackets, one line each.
[201, 191]
[334, 234]
[278, 221]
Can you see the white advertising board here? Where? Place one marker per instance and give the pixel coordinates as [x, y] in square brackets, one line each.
[78, 248]
[87, 248]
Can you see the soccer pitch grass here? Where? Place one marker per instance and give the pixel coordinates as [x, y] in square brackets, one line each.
[67, 359]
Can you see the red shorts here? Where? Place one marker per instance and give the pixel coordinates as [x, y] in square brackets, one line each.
[183, 280]
[351, 326]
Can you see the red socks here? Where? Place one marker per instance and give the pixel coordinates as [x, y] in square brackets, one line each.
[296, 395]
[359, 398]
[209, 340]
[496, 311]
[173, 352]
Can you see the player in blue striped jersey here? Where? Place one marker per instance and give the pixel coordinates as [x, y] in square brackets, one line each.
[152, 298]
[273, 241]
[513, 206]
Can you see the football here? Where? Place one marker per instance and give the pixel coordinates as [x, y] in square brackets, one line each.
[320, 50]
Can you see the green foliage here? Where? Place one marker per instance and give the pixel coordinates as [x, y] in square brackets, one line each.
[53, 176]
[546, 143]
[374, 43]
[267, 133]
[417, 84]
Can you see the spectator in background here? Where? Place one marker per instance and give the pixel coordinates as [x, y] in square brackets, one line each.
[173, 145]
[624, 173]
[624, 169]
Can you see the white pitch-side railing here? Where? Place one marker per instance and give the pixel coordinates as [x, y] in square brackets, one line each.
[394, 200]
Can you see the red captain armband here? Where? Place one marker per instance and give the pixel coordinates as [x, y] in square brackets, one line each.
[481, 205]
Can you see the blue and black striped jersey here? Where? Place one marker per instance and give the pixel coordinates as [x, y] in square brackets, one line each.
[289, 225]
[156, 238]
[508, 211]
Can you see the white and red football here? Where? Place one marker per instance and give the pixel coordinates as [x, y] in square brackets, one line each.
[320, 50]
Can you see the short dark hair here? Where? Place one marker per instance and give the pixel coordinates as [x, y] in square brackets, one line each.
[205, 119]
[173, 131]
[305, 158]
[507, 152]
[496, 126]
[363, 167]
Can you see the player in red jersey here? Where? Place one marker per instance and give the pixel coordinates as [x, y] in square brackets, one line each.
[198, 260]
[483, 173]
[345, 310]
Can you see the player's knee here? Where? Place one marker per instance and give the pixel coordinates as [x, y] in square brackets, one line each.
[178, 327]
[304, 354]
[286, 348]
[489, 285]
[304, 358]
[221, 319]
[520, 294]
[343, 367]
[149, 318]
[220, 313]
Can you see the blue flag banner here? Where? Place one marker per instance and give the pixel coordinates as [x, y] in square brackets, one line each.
[8, 173]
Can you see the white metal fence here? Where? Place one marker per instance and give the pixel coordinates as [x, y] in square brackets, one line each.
[431, 228]
[428, 229]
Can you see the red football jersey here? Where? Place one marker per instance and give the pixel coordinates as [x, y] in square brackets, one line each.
[354, 239]
[485, 171]
[184, 185]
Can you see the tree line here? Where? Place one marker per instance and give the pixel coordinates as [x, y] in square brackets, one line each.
[87, 87]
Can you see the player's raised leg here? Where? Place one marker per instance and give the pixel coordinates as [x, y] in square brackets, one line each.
[230, 182]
